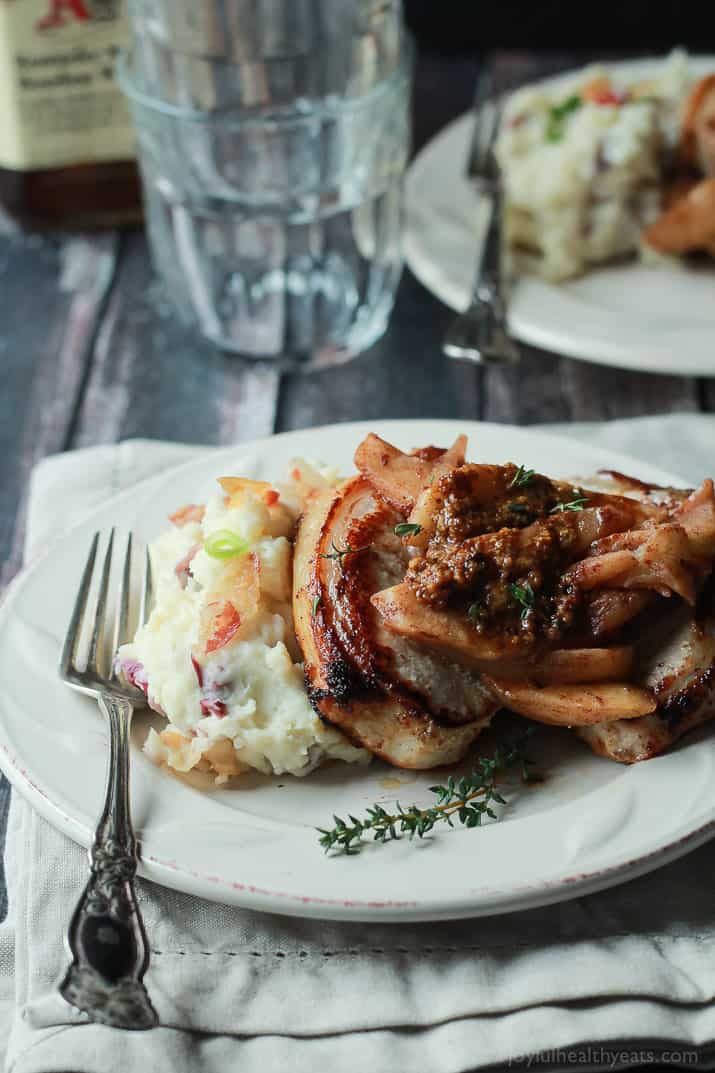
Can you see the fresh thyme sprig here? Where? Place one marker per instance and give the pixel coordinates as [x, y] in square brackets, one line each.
[403, 529]
[467, 800]
[475, 613]
[340, 553]
[574, 504]
[522, 478]
[524, 595]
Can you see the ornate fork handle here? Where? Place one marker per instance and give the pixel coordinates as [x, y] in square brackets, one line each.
[106, 936]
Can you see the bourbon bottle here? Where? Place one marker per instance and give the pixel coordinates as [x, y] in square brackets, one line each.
[66, 141]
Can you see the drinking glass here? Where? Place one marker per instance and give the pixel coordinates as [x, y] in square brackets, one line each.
[276, 224]
[277, 54]
[280, 237]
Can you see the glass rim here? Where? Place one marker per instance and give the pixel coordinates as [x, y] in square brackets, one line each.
[144, 24]
[228, 117]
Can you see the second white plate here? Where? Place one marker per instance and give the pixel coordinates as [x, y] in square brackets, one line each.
[651, 318]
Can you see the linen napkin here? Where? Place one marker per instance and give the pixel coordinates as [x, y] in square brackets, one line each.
[622, 977]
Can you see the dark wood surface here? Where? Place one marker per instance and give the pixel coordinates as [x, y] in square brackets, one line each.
[91, 354]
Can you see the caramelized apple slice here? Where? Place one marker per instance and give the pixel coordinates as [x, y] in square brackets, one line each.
[447, 631]
[451, 633]
[697, 517]
[398, 478]
[660, 558]
[574, 705]
[611, 664]
[609, 611]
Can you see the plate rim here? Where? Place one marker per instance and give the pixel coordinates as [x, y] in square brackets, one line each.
[183, 878]
[644, 355]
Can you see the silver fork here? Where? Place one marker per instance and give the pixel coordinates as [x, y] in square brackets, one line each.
[106, 935]
[480, 333]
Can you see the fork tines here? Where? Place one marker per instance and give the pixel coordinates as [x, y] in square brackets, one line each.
[97, 671]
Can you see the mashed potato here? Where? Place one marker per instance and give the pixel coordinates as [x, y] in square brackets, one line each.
[582, 167]
[218, 655]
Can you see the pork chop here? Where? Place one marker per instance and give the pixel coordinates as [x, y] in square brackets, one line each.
[677, 663]
[412, 707]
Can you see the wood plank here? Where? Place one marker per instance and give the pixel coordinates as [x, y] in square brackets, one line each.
[51, 297]
[403, 375]
[706, 395]
[7, 225]
[153, 376]
[441, 92]
[4, 808]
[529, 392]
[548, 388]
[600, 393]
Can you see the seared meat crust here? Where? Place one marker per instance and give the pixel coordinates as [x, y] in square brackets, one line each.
[393, 700]
[677, 658]
[410, 655]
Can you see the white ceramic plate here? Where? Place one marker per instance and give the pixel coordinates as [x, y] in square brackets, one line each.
[655, 318]
[591, 824]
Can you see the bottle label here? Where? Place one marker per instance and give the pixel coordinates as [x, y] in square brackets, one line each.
[59, 102]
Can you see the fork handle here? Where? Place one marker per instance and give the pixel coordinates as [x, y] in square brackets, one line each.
[488, 282]
[106, 936]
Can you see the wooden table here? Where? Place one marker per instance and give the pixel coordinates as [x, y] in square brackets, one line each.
[92, 354]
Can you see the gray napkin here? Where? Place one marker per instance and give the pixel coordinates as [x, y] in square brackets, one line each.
[620, 977]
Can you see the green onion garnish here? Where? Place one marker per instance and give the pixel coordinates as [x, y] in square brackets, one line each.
[558, 116]
[223, 544]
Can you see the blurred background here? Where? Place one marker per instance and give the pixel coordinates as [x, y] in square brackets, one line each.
[89, 342]
[640, 25]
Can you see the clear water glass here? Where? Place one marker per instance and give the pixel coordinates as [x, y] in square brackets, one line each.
[277, 54]
[252, 31]
[277, 230]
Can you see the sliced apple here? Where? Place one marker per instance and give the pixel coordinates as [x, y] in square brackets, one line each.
[447, 631]
[574, 705]
[398, 478]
